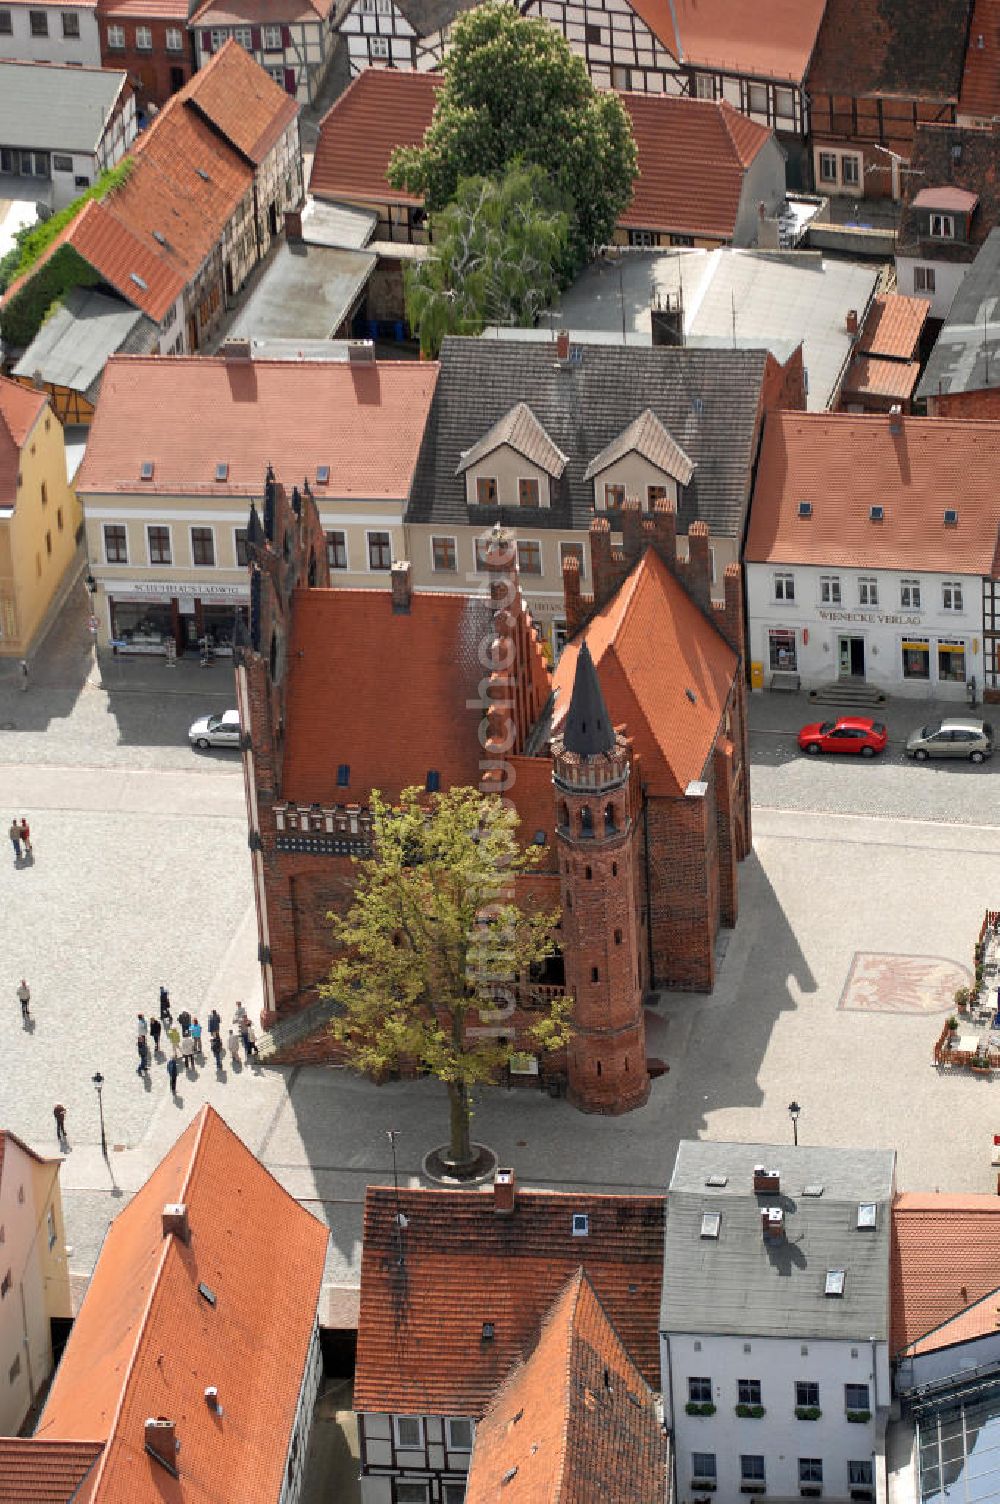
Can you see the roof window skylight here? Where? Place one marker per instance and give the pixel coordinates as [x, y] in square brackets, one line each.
[581, 1225]
[222, 470]
[146, 470]
[711, 1222]
[867, 1214]
[835, 1279]
[139, 281]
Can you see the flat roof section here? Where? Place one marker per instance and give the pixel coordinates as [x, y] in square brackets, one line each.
[306, 293]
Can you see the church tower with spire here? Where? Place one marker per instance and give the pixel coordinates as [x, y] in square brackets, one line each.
[598, 872]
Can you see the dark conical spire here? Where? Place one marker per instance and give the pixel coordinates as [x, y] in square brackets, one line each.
[255, 533]
[588, 731]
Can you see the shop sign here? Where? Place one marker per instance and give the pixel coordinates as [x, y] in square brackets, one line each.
[872, 618]
[158, 589]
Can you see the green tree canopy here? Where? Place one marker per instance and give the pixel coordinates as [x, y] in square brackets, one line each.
[493, 259]
[513, 91]
[432, 936]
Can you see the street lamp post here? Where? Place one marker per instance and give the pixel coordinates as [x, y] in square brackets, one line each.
[793, 1112]
[98, 1081]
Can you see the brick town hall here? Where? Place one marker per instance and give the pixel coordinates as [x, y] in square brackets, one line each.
[627, 762]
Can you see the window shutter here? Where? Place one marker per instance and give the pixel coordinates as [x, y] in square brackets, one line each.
[289, 80]
[255, 38]
[286, 37]
[206, 41]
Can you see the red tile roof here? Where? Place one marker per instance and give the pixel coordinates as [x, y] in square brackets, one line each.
[869, 376]
[945, 196]
[142, 10]
[347, 646]
[945, 1255]
[648, 693]
[365, 421]
[693, 156]
[768, 38]
[382, 109]
[46, 1472]
[242, 101]
[20, 409]
[576, 1423]
[259, 12]
[894, 326]
[977, 1320]
[842, 463]
[421, 1348]
[148, 1341]
[980, 94]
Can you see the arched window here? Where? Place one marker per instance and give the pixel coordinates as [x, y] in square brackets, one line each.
[586, 821]
[609, 817]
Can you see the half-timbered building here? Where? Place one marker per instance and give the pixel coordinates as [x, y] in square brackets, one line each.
[292, 40]
[407, 34]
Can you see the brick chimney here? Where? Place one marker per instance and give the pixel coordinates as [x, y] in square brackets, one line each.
[175, 1220]
[852, 321]
[504, 1192]
[766, 1182]
[161, 1442]
[562, 344]
[772, 1220]
[401, 577]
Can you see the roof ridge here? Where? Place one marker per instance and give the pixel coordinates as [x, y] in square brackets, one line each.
[570, 1290]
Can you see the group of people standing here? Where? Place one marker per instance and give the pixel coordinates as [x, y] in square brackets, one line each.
[20, 835]
[185, 1035]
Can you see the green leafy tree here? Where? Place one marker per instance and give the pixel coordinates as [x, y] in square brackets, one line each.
[433, 944]
[493, 258]
[513, 91]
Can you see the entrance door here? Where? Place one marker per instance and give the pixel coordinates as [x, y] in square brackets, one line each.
[852, 657]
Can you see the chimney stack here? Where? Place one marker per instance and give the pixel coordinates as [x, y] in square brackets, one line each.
[895, 419]
[562, 344]
[504, 1192]
[766, 1182]
[772, 1220]
[401, 577]
[161, 1442]
[293, 225]
[236, 351]
[175, 1220]
[852, 321]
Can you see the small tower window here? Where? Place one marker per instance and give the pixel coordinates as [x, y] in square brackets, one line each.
[587, 873]
[598, 1067]
[614, 869]
[344, 775]
[618, 937]
[609, 817]
[433, 780]
[595, 975]
[586, 821]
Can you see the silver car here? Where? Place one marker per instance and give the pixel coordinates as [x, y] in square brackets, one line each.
[956, 736]
[222, 730]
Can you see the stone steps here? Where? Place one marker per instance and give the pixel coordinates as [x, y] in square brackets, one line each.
[848, 692]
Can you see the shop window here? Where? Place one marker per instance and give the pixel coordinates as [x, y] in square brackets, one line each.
[527, 491]
[336, 549]
[574, 551]
[529, 557]
[379, 551]
[782, 649]
[202, 546]
[144, 626]
[850, 171]
[951, 662]
[917, 659]
[924, 279]
[951, 595]
[909, 595]
[829, 589]
[868, 591]
[444, 554]
[827, 167]
[115, 543]
[486, 490]
[159, 545]
[784, 587]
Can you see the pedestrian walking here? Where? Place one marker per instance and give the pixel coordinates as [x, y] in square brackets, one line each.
[196, 1036]
[234, 1046]
[239, 1017]
[187, 1051]
[141, 1026]
[142, 1069]
[24, 998]
[25, 835]
[218, 1049]
[165, 1014]
[15, 839]
[24, 673]
[250, 1042]
[155, 1029]
[172, 1069]
[214, 1022]
[184, 1019]
[59, 1113]
[174, 1035]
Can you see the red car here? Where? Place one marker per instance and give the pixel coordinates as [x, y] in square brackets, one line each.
[852, 733]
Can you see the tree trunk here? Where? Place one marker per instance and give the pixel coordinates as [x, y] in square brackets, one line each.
[460, 1147]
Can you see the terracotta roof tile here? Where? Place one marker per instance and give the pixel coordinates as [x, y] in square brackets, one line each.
[842, 463]
[422, 1351]
[576, 1423]
[945, 1256]
[148, 1341]
[894, 326]
[347, 646]
[913, 48]
[693, 155]
[769, 38]
[46, 1472]
[242, 101]
[144, 278]
[977, 1320]
[259, 12]
[365, 421]
[871, 376]
[382, 109]
[673, 733]
[20, 409]
[980, 96]
[141, 10]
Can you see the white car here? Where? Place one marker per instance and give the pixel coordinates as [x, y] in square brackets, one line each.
[222, 730]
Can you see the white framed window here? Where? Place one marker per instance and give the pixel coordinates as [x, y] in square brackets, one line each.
[278, 74]
[810, 1470]
[459, 1433]
[784, 587]
[856, 1397]
[784, 103]
[699, 1391]
[220, 36]
[704, 86]
[943, 226]
[850, 171]
[116, 38]
[859, 1474]
[378, 46]
[703, 1466]
[924, 279]
[806, 1394]
[647, 238]
[757, 98]
[827, 167]
[272, 38]
[203, 547]
[174, 39]
[144, 38]
[752, 1468]
[951, 595]
[336, 549]
[917, 658]
[159, 548]
[575, 551]
[909, 595]
[868, 591]
[444, 554]
[379, 550]
[408, 1431]
[244, 36]
[115, 543]
[829, 589]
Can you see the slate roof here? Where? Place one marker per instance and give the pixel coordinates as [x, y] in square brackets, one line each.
[647, 437]
[843, 462]
[20, 409]
[587, 729]
[762, 38]
[945, 1256]
[951, 156]
[421, 1348]
[706, 399]
[46, 1472]
[738, 1284]
[673, 731]
[72, 347]
[966, 353]
[909, 48]
[56, 108]
[521, 431]
[576, 1423]
[148, 1340]
[382, 109]
[429, 16]
[980, 96]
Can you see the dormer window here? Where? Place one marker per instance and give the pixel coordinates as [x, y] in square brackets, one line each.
[614, 497]
[486, 490]
[943, 226]
[668, 469]
[527, 491]
[520, 434]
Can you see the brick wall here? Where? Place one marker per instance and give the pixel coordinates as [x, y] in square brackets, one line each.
[684, 890]
[982, 404]
[158, 72]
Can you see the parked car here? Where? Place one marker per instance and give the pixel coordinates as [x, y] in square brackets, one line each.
[955, 736]
[221, 730]
[851, 733]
